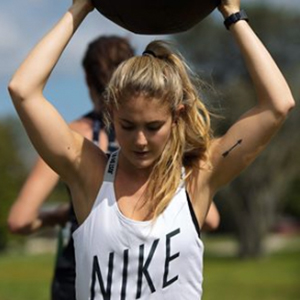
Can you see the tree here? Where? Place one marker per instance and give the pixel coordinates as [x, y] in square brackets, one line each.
[256, 195]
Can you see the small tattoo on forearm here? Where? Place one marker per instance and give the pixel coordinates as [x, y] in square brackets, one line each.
[229, 150]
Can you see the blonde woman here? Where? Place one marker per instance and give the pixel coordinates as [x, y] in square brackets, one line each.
[141, 211]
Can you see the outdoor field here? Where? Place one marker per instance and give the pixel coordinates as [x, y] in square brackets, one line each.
[204, 113]
[273, 277]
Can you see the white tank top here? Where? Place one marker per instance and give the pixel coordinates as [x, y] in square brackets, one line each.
[118, 258]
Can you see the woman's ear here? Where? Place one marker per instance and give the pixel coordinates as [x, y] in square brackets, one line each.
[179, 110]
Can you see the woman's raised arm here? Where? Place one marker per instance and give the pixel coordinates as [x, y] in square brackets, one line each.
[57, 144]
[243, 142]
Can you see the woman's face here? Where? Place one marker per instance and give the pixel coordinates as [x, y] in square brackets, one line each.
[143, 127]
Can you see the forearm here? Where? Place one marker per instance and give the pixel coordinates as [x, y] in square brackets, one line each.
[45, 218]
[269, 83]
[24, 213]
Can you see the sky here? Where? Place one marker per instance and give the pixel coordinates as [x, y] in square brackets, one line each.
[23, 23]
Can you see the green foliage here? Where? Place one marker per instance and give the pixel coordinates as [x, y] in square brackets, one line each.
[12, 173]
[292, 206]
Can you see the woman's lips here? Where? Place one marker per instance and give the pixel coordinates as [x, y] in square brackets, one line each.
[141, 153]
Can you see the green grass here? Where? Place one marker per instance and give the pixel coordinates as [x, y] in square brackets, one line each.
[25, 277]
[273, 277]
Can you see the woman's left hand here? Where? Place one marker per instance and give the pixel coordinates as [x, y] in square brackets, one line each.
[229, 7]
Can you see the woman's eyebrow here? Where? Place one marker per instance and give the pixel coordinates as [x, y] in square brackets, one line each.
[156, 122]
[125, 120]
[148, 123]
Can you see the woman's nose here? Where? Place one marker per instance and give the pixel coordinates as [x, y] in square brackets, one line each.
[141, 140]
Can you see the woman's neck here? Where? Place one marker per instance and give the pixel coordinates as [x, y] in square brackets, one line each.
[141, 175]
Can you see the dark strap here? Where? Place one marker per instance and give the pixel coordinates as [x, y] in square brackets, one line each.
[232, 19]
[194, 219]
[97, 124]
[112, 143]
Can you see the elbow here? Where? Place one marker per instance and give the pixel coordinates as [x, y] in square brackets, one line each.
[288, 105]
[15, 90]
[18, 226]
[283, 110]
[292, 104]
[214, 224]
[14, 228]
[19, 90]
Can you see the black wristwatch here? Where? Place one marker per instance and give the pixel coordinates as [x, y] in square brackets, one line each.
[240, 15]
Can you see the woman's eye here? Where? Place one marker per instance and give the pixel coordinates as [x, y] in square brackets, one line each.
[154, 127]
[127, 127]
[149, 127]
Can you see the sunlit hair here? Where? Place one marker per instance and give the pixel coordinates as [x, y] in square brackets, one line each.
[162, 74]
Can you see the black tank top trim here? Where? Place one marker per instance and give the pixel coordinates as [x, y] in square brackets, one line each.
[193, 215]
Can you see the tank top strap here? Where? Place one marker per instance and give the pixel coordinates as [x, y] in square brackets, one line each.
[111, 167]
[190, 206]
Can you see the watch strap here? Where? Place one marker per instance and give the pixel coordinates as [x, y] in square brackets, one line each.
[232, 19]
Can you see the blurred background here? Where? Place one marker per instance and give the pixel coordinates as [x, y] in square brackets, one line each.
[255, 252]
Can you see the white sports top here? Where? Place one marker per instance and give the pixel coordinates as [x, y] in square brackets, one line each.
[118, 258]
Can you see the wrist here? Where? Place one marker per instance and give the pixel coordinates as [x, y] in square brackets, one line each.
[234, 18]
[228, 11]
